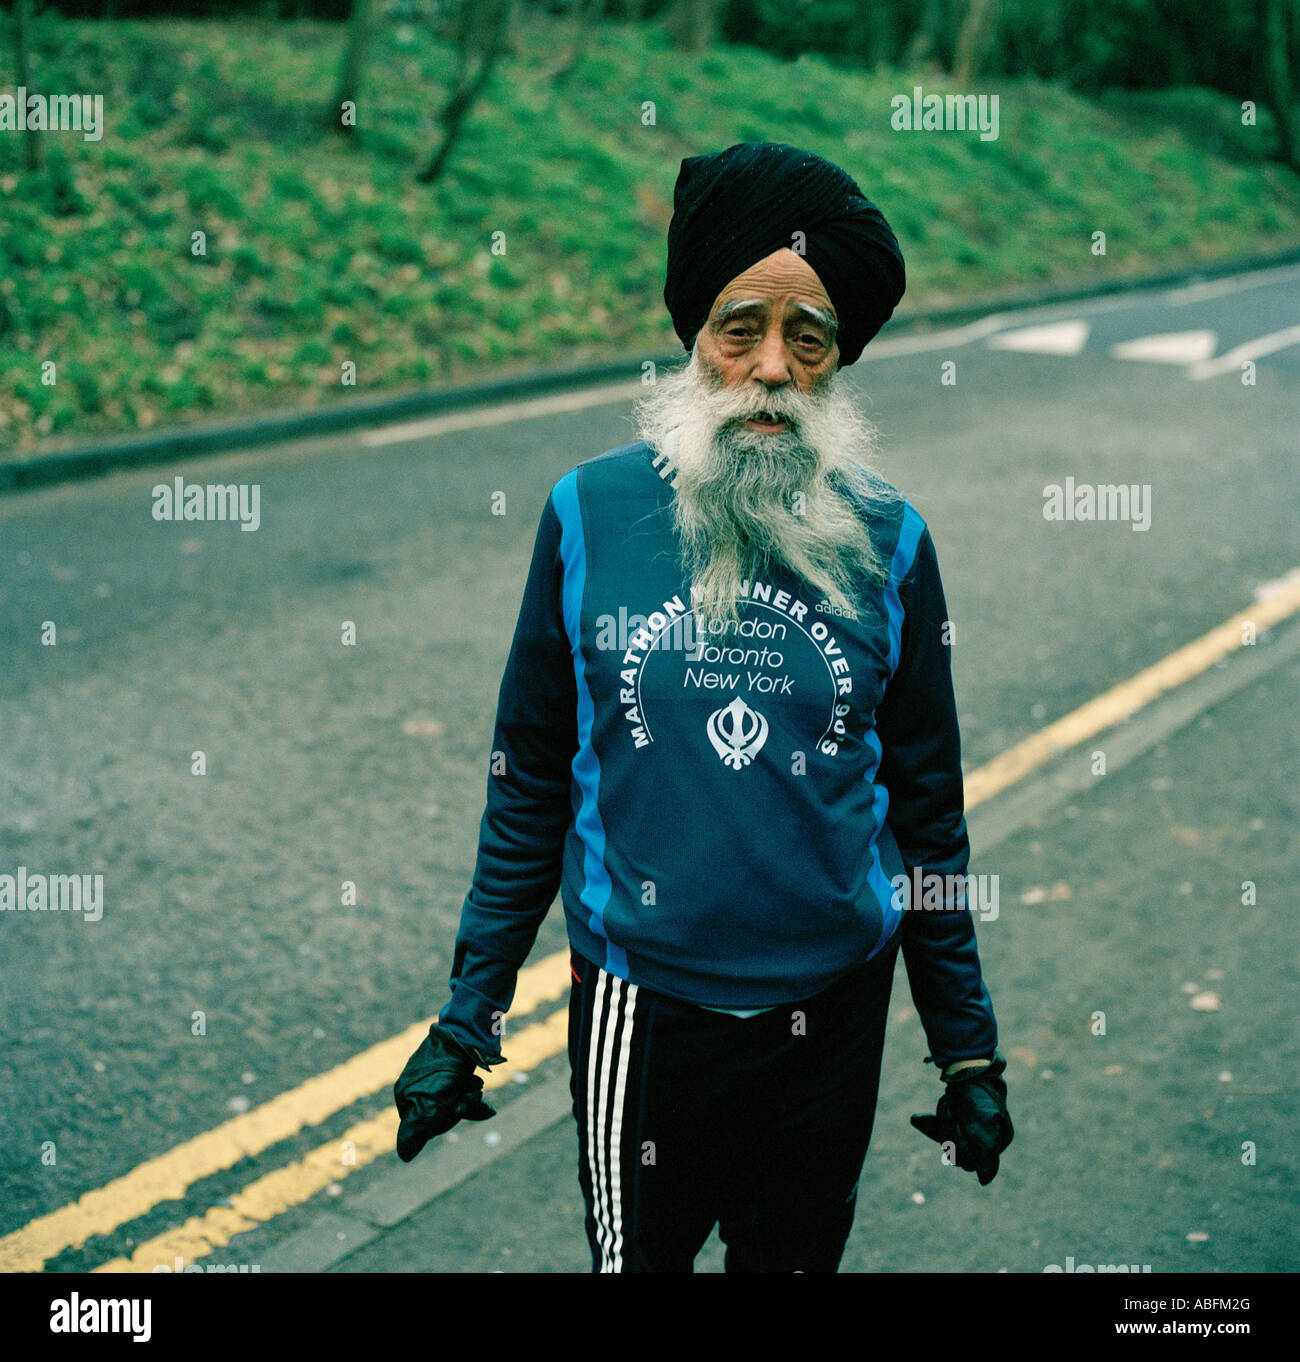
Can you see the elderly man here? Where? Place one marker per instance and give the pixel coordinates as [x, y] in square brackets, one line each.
[737, 800]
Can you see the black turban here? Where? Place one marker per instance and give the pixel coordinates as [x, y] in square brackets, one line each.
[734, 208]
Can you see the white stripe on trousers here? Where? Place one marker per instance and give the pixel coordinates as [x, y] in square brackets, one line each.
[603, 1161]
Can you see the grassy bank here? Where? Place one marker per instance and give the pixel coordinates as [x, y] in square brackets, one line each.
[320, 254]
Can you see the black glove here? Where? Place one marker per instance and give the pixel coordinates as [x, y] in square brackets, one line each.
[973, 1115]
[437, 1088]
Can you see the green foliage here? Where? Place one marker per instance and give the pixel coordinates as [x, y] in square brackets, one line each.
[846, 31]
[1202, 117]
[1087, 44]
[321, 250]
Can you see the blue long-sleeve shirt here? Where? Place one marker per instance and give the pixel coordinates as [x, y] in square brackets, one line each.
[725, 815]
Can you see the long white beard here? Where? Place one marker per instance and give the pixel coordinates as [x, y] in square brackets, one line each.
[747, 499]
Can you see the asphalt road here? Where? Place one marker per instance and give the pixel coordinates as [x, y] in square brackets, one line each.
[367, 763]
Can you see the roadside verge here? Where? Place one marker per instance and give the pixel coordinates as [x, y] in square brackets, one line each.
[103, 454]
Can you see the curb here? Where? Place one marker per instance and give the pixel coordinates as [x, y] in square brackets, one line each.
[103, 455]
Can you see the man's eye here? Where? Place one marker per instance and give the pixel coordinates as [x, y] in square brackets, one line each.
[740, 331]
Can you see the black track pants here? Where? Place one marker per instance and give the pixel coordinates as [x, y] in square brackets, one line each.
[689, 1118]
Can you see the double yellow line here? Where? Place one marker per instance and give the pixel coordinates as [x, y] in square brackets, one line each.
[169, 1176]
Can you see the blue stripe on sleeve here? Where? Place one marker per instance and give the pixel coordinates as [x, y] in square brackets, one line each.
[597, 886]
[909, 539]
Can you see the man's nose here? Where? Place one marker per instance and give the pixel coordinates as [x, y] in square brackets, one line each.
[772, 361]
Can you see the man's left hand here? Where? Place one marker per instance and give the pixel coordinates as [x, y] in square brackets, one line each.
[973, 1116]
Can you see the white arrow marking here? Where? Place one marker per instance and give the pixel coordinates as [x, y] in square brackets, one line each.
[1252, 349]
[1056, 338]
[936, 340]
[1173, 347]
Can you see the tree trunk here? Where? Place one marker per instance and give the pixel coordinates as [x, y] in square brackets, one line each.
[925, 37]
[33, 147]
[483, 29]
[885, 40]
[974, 40]
[692, 24]
[1281, 35]
[361, 28]
[586, 16]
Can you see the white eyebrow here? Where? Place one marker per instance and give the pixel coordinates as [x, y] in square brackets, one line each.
[736, 305]
[819, 315]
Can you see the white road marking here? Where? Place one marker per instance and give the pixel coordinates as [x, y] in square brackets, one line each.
[1056, 338]
[938, 340]
[1252, 349]
[1168, 347]
[1216, 288]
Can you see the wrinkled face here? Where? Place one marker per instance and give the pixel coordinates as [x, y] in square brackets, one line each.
[771, 461]
[771, 327]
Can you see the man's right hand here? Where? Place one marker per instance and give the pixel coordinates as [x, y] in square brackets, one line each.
[437, 1088]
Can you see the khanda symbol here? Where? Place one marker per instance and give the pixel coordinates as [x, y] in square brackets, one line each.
[737, 732]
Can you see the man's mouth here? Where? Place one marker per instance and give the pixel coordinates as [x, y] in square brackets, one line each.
[766, 420]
